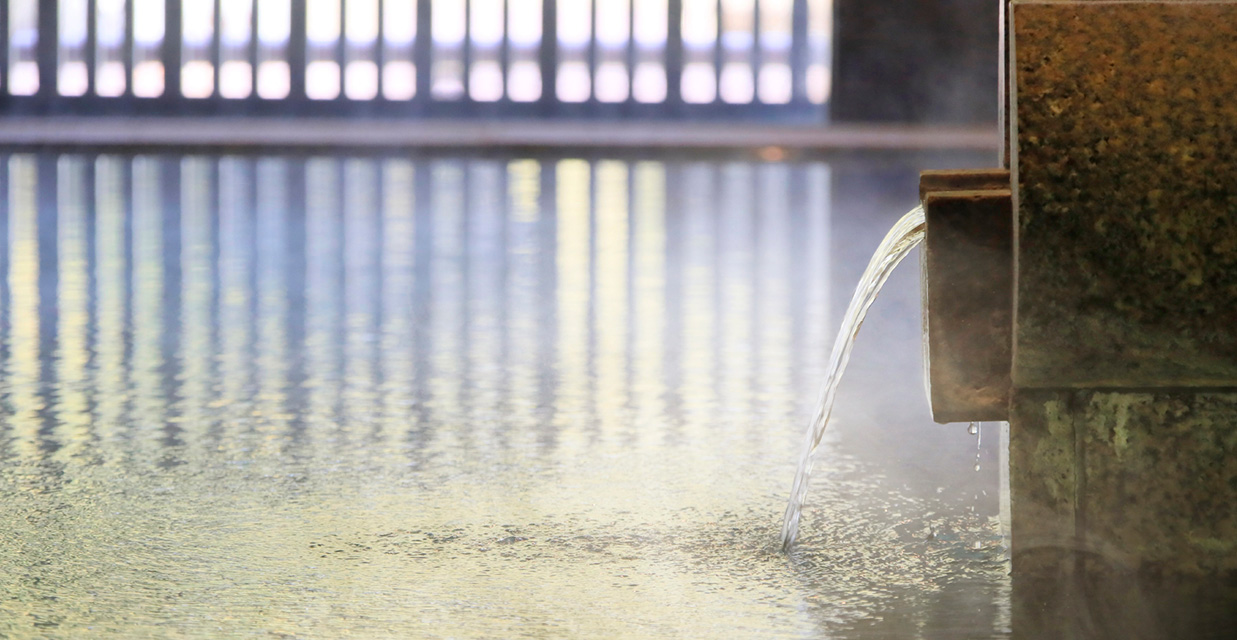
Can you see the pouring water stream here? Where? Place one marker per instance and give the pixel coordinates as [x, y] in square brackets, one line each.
[905, 235]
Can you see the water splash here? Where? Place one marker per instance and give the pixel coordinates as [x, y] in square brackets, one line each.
[905, 235]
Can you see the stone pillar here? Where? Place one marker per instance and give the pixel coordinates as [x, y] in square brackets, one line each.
[1123, 436]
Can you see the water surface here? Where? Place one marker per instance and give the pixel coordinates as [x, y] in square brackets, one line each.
[468, 397]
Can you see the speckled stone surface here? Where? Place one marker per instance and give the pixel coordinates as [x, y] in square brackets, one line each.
[1145, 480]
[1126, 191]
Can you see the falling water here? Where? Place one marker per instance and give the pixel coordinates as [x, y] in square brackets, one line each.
[904, 236]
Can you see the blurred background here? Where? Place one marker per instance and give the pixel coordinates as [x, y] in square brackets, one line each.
[801, 61]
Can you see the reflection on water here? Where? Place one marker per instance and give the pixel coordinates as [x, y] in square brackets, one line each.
[319, 397]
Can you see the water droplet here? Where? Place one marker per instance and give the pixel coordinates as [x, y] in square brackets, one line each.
[977, 466]
[973, 429]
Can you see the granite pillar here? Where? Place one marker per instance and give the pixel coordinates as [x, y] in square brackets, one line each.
[1123, 417]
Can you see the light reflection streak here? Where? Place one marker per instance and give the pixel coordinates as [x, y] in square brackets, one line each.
[236, 241]
[611, 297]
[648, 302]
[361, 219]
[574, 267]
[323, 348]
[197, 344]
[398, 361]
[817, 333]
[111, 301]
[149, 402]
[272, 348]
[72, 410]
[699, 292]
[735, 304]
[486, 258]
[24, 368]
[773, 281]
[523, 304]
[447, 305]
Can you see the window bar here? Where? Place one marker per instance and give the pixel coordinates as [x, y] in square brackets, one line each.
[757, 53]
[5, 43]
[254, 58]
[216, 48]
[172, 43]
[798, 52]
[126, 50]
[504, 52]
[629, 54]
[48, 48]
[592, 52]
[674, 53]
[719, 50]
[422, 49]
[92, 42]
[297, 45]
[380, 57]
[548, 56]
[341, 51]
[466, 53]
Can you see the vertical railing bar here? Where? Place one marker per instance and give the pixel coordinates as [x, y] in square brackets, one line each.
[466, 52]
[216, 39]
[254, 53]
[92, 43]
[799, 51]
[757, 55]
[172, 46]
[674, 52]
[423, 48]
[504, 49]
[296, 52]
[47, 51]
[126, 53]
[380, 54]
[547, 55]
[341, 49]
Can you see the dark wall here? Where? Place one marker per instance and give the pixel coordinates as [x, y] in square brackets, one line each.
[915, 61]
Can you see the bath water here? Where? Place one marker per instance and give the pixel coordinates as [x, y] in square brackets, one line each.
[901, 239]
[443, 396]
